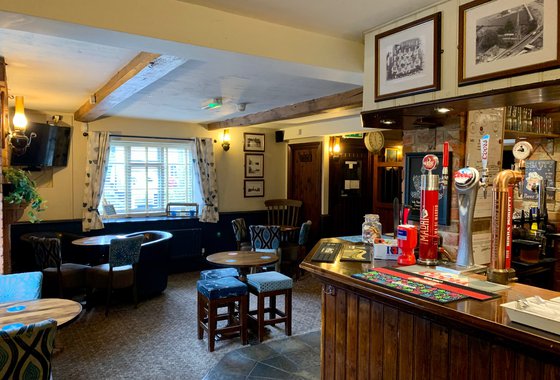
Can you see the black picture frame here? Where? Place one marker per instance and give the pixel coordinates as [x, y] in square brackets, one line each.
[540, 49]
[254, 165]
[408, 59]
[253, 188]
[412, 172]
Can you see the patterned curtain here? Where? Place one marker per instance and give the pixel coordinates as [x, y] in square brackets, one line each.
[206, 170]
[97, 154]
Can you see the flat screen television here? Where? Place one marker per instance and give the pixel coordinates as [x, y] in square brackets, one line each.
[48, 149]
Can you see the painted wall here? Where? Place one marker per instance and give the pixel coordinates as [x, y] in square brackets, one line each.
[449, 62]
[63, 187]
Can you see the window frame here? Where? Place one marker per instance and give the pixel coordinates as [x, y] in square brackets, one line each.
[162, 166]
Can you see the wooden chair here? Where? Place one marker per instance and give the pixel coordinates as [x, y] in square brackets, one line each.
[241, 234]
[57, 274]
[266, 239]
[283, 212]
[120, 271]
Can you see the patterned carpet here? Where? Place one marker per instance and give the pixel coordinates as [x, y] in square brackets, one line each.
[158, 340]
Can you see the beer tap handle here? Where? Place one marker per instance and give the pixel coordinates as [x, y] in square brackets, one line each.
[445, 166]
[484, 144]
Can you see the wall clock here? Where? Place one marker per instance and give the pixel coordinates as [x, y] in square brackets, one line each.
[374, 141]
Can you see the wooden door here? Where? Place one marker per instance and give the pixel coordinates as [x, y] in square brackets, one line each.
[350, 188]
[304, 182]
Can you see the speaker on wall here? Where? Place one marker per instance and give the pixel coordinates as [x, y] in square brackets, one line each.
[279, 136]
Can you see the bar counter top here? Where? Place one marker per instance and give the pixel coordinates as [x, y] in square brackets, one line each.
[482, 320]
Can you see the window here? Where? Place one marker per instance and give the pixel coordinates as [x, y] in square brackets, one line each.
[143, 175]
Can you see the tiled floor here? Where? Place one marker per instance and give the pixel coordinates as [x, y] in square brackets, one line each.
[296, 357]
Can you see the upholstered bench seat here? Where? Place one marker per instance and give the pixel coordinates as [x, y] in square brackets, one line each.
[212, 274]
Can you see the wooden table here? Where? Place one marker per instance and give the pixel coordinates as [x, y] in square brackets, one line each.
[242, 260]
[21, 313]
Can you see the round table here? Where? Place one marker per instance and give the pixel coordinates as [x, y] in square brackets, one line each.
[96, 240]
[19, 313]
[242, 260]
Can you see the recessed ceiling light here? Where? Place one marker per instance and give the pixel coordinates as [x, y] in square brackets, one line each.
[387, 121]
[443, 109]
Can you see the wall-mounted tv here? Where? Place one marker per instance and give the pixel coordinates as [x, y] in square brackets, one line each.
[49, 148]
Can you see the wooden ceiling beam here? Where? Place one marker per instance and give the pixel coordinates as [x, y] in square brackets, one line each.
[140, 72]
[343, 100]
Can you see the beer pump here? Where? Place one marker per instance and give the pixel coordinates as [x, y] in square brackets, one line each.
[467, 182]
[499, 270]
[429, 197]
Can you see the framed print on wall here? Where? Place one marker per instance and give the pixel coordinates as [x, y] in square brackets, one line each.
[407, 59]
[503, 38]
[253, 142]
[254, 165]
[254, 188]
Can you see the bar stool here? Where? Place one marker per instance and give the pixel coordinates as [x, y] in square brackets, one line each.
[214, 294]
[212, 274]
[271, 284]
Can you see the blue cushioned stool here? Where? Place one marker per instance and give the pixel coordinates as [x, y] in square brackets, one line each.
[271, 284]
[212, 274]
[214, 294]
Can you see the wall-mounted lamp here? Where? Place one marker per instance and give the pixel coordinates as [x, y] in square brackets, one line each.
[17, 138]
[335, 146]
[225, 140]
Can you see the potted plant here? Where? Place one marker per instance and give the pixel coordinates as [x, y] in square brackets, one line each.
[21, 191]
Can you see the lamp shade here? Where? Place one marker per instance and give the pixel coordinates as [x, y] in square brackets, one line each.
[20, 121]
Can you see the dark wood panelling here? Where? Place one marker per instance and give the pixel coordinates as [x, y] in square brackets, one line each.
[352, 336]
[377, 342]
[364, 338]
[368, 339]
[406, 350]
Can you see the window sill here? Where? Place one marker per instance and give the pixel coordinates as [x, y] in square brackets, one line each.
[145, 219]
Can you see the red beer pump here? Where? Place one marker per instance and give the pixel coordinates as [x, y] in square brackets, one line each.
[429, 197]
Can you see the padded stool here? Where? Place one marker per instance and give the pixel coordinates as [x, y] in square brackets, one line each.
[271, 284]
[212, 274]
[217, 293]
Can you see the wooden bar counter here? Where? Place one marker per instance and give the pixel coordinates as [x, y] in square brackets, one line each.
[372, 332]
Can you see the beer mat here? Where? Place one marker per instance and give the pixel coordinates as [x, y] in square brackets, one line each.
[354, 253]
[420, 286]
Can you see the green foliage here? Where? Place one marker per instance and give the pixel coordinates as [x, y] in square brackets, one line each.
[23, 191]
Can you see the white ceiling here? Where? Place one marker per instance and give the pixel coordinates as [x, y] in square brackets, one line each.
[57, 66]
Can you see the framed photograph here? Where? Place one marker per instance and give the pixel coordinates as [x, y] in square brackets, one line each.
[254, 188]
[412, 178]
[253, 142]
[407, 59]
[254, 165]
[504, 38]
[391, 154]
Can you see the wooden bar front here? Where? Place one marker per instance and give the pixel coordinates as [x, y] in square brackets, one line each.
[371, 332]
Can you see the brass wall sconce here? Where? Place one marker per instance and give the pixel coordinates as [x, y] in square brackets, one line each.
[225, 140]
[17, 138]
[335, 146]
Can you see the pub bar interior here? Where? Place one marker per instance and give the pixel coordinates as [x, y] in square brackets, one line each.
[283, 190]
